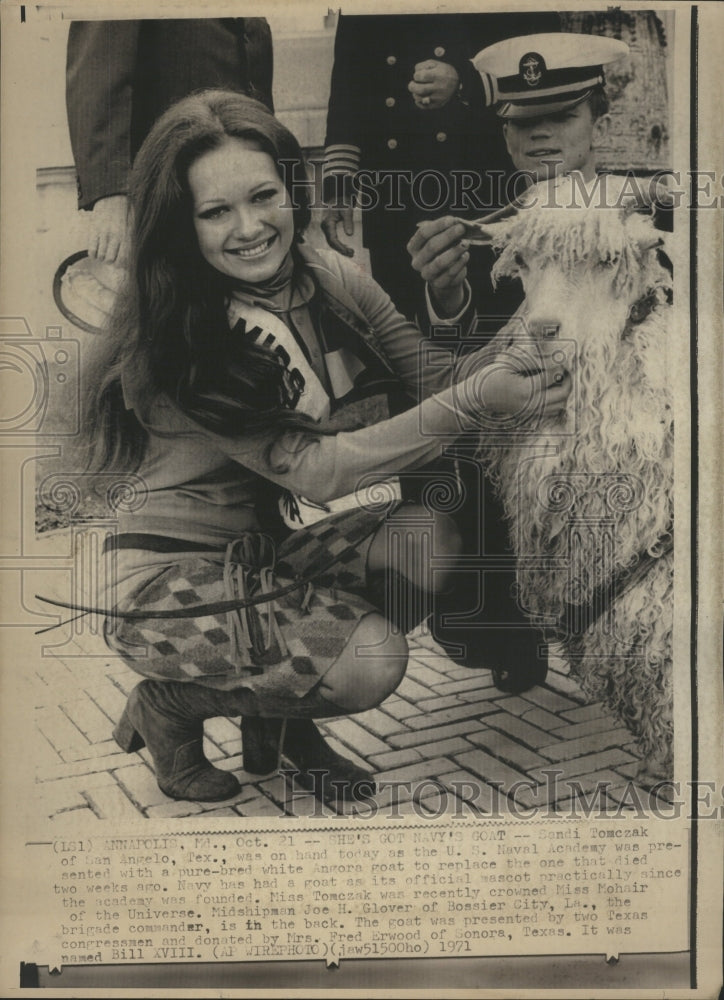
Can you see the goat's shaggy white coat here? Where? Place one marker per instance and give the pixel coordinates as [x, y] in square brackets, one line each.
[590, 492]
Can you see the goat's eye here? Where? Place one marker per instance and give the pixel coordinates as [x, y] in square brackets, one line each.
[518, 259]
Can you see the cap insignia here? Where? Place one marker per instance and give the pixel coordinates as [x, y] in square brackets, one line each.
[532, 67]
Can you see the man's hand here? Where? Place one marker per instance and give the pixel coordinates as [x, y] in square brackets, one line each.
[108, 239]
[331, 219]
[433, 84]
[440, 256]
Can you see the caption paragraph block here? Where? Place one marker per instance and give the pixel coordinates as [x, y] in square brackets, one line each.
[389, 891]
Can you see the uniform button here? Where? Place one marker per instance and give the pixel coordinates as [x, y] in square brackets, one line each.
[391, 60]
[392, 143]
[390, 102]
[439, 52]
[441, 136]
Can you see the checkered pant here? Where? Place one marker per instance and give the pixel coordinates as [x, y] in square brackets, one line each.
[282, 654]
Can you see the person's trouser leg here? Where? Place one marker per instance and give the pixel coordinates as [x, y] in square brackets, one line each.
[499, 636]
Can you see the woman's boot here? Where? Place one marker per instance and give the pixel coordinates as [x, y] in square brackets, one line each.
[317, 767]
[168, 718]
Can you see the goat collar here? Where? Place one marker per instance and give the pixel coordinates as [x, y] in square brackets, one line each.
[578, 618]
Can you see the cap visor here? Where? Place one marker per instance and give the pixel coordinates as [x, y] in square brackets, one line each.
[511, 109]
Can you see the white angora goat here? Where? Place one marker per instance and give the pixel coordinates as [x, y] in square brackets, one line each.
[589, 493]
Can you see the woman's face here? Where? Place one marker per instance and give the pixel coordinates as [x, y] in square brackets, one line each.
[242, 228]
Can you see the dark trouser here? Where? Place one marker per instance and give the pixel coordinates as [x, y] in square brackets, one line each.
[392, 269]
[478, 620]
[497, 633]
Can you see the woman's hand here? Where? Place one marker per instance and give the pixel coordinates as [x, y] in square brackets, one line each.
[517, 393]
[529, 378]
[440, 256]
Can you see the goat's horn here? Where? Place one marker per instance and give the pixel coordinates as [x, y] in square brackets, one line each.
[635, 203]
[476, 232]
[522, 201]
[651, 244]
[506, 212]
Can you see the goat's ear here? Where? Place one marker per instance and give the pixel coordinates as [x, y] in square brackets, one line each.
[651, 242]
[643, 198]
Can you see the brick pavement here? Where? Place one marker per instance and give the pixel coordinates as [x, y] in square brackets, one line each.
[447, 742]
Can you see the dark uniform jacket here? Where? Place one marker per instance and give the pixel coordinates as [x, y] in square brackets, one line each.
[373, 123]
[121, 75]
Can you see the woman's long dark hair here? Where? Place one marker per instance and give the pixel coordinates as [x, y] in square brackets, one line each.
[168, 333]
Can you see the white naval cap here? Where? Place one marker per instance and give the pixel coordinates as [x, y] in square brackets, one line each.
[542, 74]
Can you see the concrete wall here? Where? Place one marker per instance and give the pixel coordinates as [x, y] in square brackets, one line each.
[638, 86]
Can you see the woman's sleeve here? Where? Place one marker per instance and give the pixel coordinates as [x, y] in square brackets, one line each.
[324, 467]
[425, 364]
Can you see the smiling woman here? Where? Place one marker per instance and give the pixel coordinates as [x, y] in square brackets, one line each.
[243, 228]
[223, 380]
